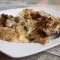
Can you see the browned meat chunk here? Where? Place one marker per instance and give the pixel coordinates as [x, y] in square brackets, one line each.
[8, 20]
[40, 25]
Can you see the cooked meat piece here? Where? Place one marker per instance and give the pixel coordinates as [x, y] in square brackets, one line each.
[9, 22]
[26, 13]
[6, 20]
[44, 20]
[49, 26]
[40, 25]
[35, 15]
[3, 19]
[38, 36]
[8, 34]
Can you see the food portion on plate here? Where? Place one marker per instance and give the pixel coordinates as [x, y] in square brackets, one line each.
[29, 26]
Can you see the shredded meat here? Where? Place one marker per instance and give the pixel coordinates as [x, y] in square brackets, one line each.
[45, 25]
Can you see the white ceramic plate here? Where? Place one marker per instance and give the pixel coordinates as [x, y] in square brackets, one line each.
[16, 50]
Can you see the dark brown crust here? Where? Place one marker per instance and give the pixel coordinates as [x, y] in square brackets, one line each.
[35, 15]
[44, 27]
